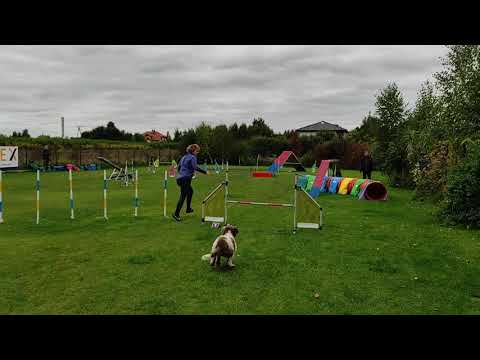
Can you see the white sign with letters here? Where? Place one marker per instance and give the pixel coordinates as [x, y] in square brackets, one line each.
[8, 156]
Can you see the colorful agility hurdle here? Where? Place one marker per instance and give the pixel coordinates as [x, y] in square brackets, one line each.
[307, 213]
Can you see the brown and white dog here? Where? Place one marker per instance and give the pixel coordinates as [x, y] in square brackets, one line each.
[224, 246]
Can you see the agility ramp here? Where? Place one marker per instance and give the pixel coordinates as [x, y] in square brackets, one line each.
[364, 189]
[307, 213]
[282, 160]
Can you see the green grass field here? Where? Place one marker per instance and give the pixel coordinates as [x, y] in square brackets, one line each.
[370, 258]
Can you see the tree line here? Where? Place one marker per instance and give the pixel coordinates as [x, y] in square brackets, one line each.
[433, 147]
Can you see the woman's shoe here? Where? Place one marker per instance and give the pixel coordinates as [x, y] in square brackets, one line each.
[177, 218]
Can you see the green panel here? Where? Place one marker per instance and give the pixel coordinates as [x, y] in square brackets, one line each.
[356, 187]
[215, 203]
[311, 180]
[308, 210]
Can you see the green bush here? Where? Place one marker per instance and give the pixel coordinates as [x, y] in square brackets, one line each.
[461, 204]
[308, 159]
[431, 177]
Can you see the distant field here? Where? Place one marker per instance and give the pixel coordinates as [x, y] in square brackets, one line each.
[370, 258]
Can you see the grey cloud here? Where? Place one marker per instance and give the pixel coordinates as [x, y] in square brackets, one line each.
[168, 87]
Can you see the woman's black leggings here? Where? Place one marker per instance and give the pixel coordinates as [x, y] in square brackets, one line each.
[186, 191]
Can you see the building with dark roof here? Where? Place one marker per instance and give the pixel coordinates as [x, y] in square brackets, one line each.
[321, 127]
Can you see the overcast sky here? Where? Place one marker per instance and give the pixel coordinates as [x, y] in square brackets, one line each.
[167, 87]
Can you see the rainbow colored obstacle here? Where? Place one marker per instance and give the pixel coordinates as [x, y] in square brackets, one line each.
[320, 183]
[365, 189]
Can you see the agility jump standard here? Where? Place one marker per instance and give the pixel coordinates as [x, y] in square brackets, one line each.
[307, 213]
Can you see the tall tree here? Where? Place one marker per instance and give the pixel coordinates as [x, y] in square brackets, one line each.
[259, 128]
[390, 150]
[243, 131]
[367, 132]
[459, 85]
[177, 135]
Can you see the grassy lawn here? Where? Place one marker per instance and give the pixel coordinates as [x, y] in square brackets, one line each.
[370, 258]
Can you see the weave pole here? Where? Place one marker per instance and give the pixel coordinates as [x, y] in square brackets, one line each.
[295, 206]
[37, 184]
[165, 195]
[226, 193]
[136, 193]
[1, 199]
[105, 194]
[72, 211]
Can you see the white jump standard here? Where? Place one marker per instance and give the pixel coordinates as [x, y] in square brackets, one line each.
[307, 213]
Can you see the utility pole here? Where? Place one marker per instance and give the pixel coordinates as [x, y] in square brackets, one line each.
[63, 127]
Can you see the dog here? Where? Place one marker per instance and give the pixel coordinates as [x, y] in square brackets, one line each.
[225, 246]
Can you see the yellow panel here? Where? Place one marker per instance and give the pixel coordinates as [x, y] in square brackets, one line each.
[344, 186]
[215, 204]
[308, 210]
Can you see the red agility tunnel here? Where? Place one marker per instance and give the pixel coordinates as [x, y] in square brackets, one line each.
[374, 190]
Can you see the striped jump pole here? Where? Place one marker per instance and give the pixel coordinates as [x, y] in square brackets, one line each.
[1, 199]
[72, 211]
[243, 202]
[37, 185]
[105, 194]
[136, 193]
[165, 195]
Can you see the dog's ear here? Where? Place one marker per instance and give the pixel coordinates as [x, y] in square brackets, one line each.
[226, 228]
[232, 228]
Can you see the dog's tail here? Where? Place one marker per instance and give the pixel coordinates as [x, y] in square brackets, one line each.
[206, 257]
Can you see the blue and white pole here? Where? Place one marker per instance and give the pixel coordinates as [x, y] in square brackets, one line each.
[136, 193]
[165, 195]
[105, 194]
[37, 184]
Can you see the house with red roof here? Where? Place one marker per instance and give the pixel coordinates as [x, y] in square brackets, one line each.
[153, 136]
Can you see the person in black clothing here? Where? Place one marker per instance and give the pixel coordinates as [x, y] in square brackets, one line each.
[186, 169]
[46, 157]
[366, 165]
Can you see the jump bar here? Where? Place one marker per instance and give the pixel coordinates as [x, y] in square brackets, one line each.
[258, 203]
